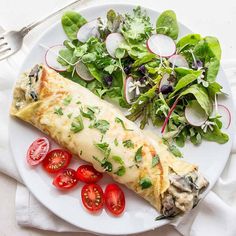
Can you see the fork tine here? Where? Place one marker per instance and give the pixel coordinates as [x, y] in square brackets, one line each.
[1, 37]
[3, 44]
[4, 50]
[5, 53]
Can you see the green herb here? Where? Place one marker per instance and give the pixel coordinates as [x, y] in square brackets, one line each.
[78, 102]
[138, 155]
[145, 183]
[121, 171]
[69, 115]
[77, 124]
[155, 160]
[81, 152]
[58, 111]
[128, 143]
[107, 166]
[104, 148]
[71, 22]
[67, 100]
[116, 142]
[172, 148]
[90, 114]
[118, 120]
[101, 125]
[118, 160]
[167, 24]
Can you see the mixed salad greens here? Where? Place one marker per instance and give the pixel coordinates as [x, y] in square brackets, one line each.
[167, 82]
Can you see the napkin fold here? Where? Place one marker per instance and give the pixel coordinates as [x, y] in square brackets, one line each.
[215, 215]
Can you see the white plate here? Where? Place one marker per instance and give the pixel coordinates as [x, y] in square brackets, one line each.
[139, 215]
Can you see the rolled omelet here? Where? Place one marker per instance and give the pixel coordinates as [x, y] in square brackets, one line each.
[97, 132]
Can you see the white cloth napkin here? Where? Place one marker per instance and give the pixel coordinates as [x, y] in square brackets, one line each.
[214, 216]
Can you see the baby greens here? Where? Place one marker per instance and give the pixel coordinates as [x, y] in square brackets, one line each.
[161, 89]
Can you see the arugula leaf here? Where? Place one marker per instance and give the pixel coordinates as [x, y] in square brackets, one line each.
[58, 111]
[138, 155]
[180, 72]
[121, 171]
[118, 160]
[155, 160]
[200, 93]
[71, 22]
[118, 120]
[213, 67]
[167, 24]
[77, 124]
[128, 143]
[101, 125]
[145, 183]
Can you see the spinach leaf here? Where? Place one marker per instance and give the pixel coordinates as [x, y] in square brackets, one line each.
[167, 24]
[147, 58]
[200, 93]
[213, 67]
[71, 22]
[188, 42]
[183, 82]
[180, 72]
[215, 135]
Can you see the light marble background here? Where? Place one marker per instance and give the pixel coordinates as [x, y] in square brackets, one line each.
[207, 17]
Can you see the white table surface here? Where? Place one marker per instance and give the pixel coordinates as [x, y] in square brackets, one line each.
[207, 17]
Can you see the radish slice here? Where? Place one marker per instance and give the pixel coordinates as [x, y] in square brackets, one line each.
[88, 30]
[113, 41]
[225, 114]
[165, 81]
[129, 95]
[179, 61]
[83, 72]
[51, 58]
[195, 115]
[161, 45]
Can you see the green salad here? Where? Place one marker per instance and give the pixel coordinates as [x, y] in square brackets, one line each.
[160, 78]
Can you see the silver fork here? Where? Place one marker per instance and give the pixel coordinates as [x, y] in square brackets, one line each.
[11, 41]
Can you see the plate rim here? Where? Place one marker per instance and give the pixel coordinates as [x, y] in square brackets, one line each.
[36, 42]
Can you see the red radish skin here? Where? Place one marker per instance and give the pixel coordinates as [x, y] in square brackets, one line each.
[57, 67]
[229, 115]
[169, 114]
[154, 45]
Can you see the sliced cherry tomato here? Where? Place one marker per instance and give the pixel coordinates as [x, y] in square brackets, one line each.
[37, 151]
[56, 160]
[114, 199]
[92, 197]
[66, 179]
[88, 174]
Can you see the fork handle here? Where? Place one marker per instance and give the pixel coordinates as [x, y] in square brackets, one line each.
[28, 28]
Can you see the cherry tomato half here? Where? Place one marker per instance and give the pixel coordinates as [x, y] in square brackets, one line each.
[88, 174]
[56, 160]
[66, 179]
[114, 199]
[92, 197]
[37, 151]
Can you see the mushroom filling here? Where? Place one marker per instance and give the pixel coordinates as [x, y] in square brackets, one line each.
[183, 193]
